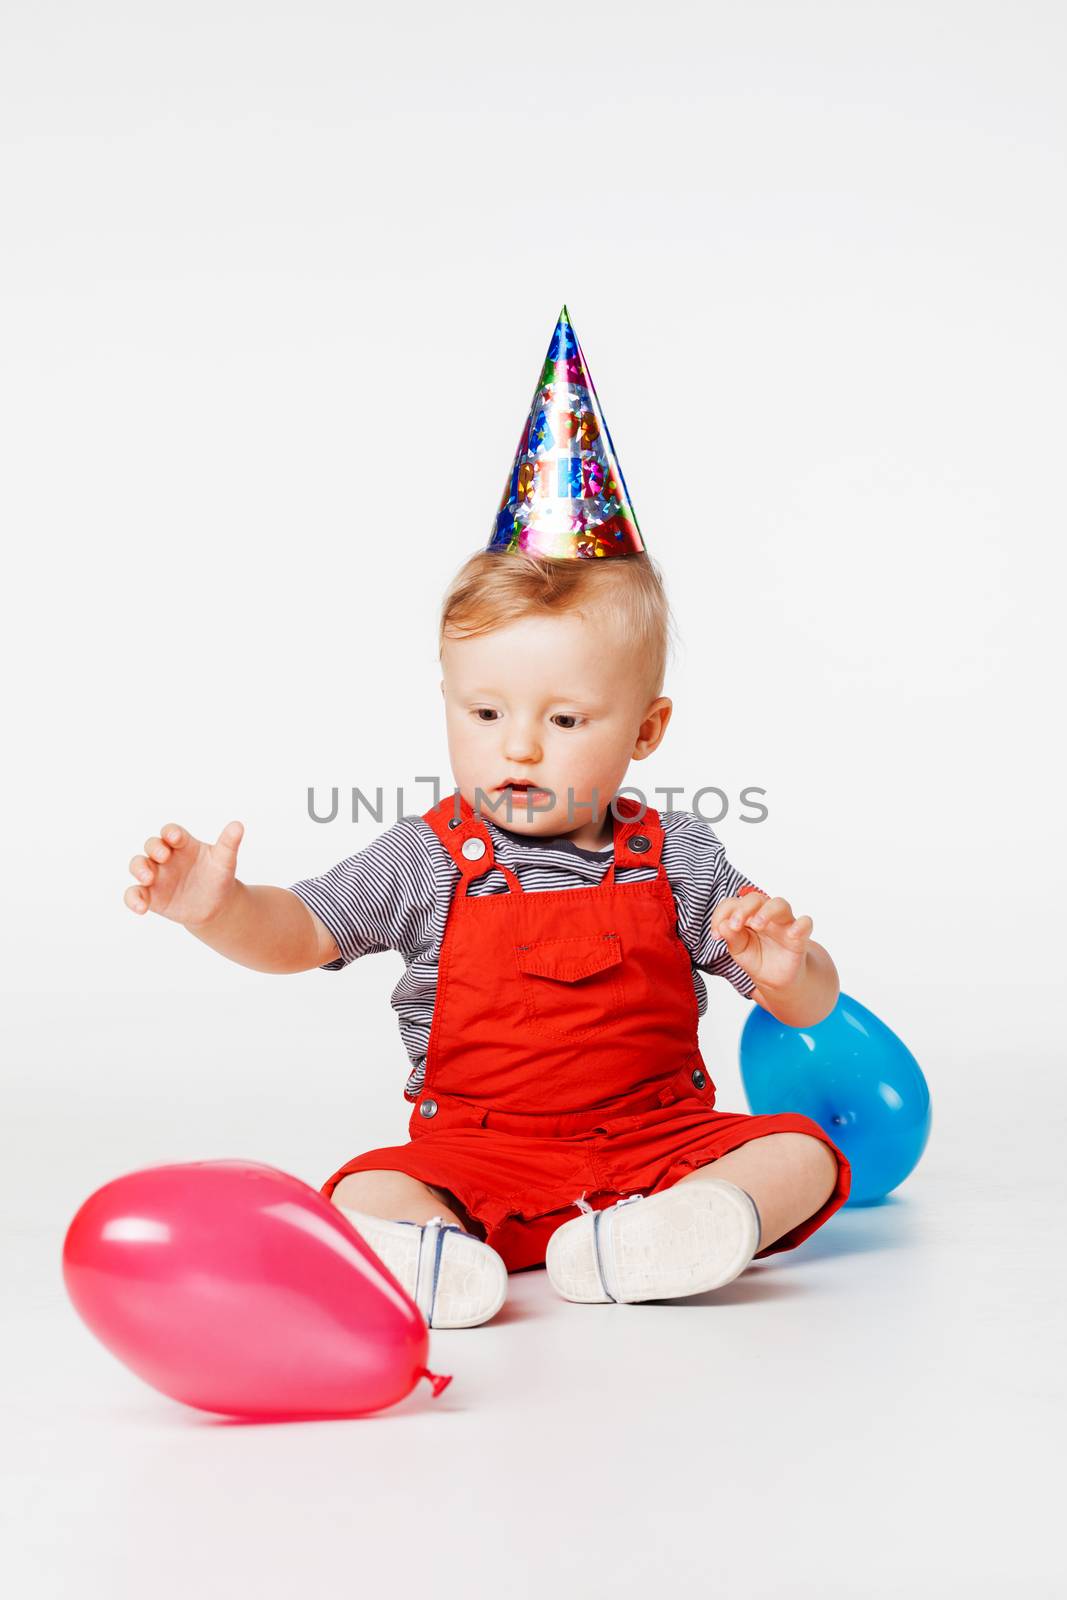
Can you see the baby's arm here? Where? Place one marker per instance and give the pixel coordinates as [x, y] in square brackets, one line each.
[194, 883]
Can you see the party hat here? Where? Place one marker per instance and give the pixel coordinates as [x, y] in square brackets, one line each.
[566, 496]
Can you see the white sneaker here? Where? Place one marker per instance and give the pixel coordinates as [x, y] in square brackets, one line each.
[695, 1236]
[454, 1278]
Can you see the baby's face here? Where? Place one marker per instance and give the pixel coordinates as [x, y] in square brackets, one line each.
[555, 703]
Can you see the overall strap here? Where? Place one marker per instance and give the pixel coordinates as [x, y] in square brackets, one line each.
[462, 833]
[638, 837]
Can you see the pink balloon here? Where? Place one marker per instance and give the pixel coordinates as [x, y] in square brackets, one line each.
[236, 1288]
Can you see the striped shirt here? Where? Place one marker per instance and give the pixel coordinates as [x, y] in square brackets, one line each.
[396, 893]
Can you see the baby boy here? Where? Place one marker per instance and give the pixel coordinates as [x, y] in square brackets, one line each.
[554, 935]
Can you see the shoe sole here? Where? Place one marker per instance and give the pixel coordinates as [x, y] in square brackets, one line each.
[696, 1236]
[472, 1283]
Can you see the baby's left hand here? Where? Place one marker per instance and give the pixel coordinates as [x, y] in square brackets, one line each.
[763, 937]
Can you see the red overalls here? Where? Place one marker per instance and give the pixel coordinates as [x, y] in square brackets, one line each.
[563, 1056]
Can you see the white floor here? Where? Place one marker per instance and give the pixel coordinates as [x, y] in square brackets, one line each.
[878, 1413]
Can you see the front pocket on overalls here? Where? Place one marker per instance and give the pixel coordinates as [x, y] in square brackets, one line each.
[572, 987]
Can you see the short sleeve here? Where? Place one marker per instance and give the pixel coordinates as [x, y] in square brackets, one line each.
[379, 899]
[701, 876]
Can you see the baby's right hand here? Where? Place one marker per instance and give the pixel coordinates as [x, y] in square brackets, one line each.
[183, 878]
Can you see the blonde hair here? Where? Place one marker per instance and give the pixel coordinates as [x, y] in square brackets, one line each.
[495, 587]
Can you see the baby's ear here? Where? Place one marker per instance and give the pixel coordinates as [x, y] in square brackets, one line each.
[442, 686]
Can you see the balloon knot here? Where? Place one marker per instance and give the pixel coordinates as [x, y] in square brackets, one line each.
[436, 1381]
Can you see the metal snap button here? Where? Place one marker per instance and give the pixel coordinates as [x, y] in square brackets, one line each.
[473, 849]
[699, 1079]
[639, 844]
[454, 822]
[428, 1108]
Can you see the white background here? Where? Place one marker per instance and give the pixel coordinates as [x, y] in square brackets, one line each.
[276, 284]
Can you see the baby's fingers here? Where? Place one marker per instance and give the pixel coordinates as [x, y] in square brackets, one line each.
[136, 899]
[144, 871]
[721, 915]
[729, 914]
[155, 848]
[799, 931]
[775, 910]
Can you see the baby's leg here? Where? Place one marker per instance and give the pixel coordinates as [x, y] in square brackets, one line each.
[788, 1175]
[660, 1250]
[400, 1198]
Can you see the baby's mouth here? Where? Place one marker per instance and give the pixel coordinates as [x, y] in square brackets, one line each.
[523, 789]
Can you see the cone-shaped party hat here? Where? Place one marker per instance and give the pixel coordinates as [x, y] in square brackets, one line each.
[566, 495]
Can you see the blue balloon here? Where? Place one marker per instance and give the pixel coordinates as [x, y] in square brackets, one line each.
[851, 1075]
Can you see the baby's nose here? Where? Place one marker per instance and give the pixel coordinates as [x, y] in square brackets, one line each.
[522, 744]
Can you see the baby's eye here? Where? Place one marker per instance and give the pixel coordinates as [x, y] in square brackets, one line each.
[568, 719]
[484, 713]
